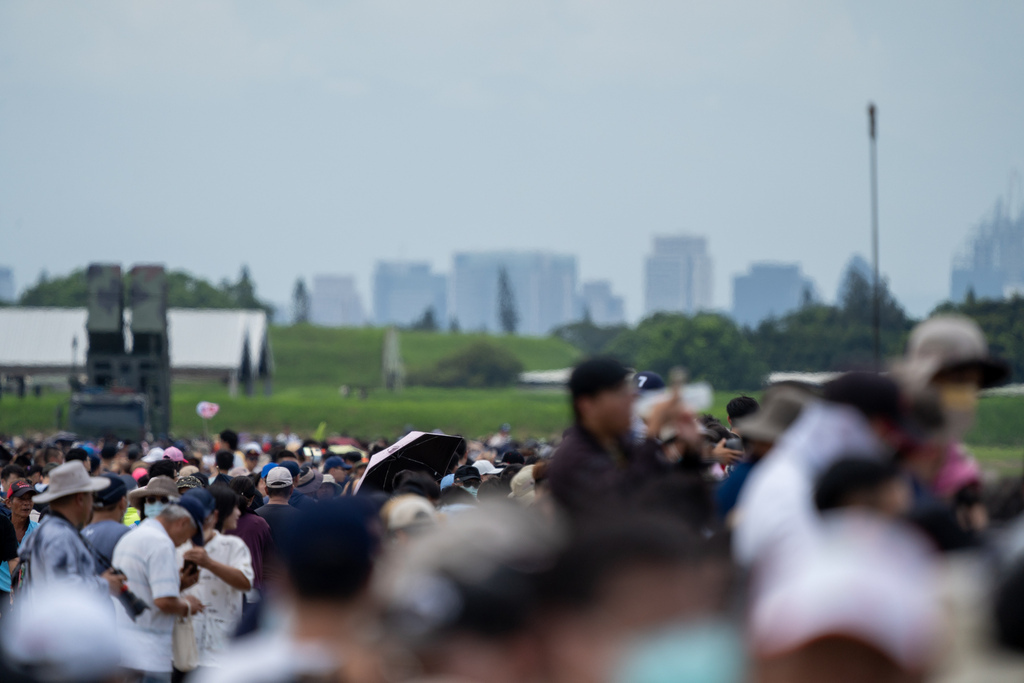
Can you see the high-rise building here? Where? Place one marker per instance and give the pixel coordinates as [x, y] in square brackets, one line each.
[991, 264]
[543, 290]
[335, 302]
[402, 293]
[768, 290]
[603, 307]
[678, 275]
[6, 284]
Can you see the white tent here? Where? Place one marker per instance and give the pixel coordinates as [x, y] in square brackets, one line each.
[223, 344]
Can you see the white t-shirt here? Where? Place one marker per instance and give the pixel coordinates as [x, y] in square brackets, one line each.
[146, 556]
[217, 623]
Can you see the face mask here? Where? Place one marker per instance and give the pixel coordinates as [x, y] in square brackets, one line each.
[709, 652]
[154, 509]
[959, 403]
[471, 490]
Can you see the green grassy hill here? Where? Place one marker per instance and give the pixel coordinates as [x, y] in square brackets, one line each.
[305, 355]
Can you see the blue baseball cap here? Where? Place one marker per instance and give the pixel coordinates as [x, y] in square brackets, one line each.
[335, 461]
[266, 469]
[198, 512]
[291, 466]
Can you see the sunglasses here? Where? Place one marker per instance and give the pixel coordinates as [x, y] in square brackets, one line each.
[155, 499]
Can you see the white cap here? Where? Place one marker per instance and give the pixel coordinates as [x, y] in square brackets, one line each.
[279, 478]
[485, 467]
[154, 454]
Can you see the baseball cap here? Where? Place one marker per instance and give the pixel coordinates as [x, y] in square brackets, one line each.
[113, 493]
[485, 467]
[467, 473]
[648, 381]
[154, 454]
[596, 375]
[21, 488]
[279, 478]
[336, 461]
[292, 467]
[266, 469]
[198, 513]
[174, 454]
[410, 512]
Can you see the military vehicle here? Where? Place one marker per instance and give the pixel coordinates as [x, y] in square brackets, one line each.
[127, 392]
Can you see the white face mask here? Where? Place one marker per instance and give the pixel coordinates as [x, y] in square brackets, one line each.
[154, 509]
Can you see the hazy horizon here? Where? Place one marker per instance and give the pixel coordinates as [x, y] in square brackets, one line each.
[309, 138]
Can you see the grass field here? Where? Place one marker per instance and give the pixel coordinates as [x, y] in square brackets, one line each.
[305, 355]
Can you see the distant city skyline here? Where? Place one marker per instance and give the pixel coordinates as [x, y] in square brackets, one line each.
[321, 137]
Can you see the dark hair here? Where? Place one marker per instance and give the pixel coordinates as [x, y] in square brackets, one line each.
[513, 458]
[716, 431]
[14, 469]
[492, 490]
[280, 491]
[741, 406]
[77, 454]
[230, 438]
[246, 491]
[167, 468]
[454, 495]
[418, 483]
[203, 479]
[225, 461]
[850, 476]
[225, 501]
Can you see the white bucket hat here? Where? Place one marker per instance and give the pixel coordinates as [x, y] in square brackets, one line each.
[68, 479]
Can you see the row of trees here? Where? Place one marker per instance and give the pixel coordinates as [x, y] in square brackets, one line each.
[816, 337]
[184, 290]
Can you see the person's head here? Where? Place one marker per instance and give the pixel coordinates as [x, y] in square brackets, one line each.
[467, 477]
[70, 492]
[336, 467]
[229, 439]
[246, 490]
[226, 510]
[111, 502]
[224, 460]
[19, 498]
[740, 407]
[762, 428]
[950, 353]
[877, 398]
[279, 484]
[10, 473]
[602, 398]
[335, 572]
[179, 522]
[417, 483]
[163, 468]
[863, 483]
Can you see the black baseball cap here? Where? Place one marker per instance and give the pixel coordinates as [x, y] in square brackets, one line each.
[467, 473]
[648, 381]
[113, 493]
[596, 375]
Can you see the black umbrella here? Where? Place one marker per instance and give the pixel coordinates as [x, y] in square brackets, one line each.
[430, 453]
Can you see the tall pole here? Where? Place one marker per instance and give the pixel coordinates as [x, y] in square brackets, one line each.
[876, 290]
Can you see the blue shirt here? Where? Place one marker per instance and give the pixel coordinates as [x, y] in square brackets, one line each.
[728, 492]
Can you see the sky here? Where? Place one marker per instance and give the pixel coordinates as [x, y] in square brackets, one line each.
[303, 138]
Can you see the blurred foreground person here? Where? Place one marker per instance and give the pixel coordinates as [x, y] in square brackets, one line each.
[859, 602]
[60, 634]
[638, 599]
[324, 618]
[460, 599]
[862, 416]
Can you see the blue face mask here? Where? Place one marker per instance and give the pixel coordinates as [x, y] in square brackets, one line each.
[154, 509]
[709, 652]
[471, 490]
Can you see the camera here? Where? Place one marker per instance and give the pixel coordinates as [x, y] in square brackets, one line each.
[133, 604]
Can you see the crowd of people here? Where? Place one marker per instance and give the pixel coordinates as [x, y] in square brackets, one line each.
[839, 532]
